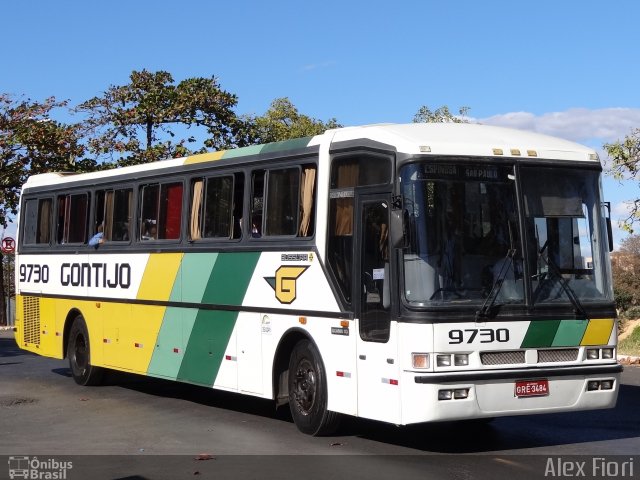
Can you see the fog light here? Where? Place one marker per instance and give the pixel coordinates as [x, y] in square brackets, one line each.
[461, 393]
[445, 394]
[607, 353]
[593, 385]
[420, 360]
[461, 359]
[444, 360]
[593, 354]
[606, 384]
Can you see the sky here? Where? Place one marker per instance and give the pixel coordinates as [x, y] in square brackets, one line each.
[567, 68]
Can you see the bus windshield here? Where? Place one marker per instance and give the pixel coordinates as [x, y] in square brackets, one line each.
[562, 218]
[465, 246]
[463, 235]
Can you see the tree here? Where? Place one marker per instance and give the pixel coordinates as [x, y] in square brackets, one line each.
[625, 265]
[283, 121]
[138, 122]
[440, 115]
[31, 142]
[625, 156]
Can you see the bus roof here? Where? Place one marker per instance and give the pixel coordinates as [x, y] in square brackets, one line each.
[460, 139]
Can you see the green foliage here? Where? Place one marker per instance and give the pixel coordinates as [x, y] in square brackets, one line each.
[440, 115]
[631, 344]
[626, 275]
[625, 156]
[32, 142]
[140, 122]
[283, 121]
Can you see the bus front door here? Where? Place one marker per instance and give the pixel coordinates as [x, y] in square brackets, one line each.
[378, 369]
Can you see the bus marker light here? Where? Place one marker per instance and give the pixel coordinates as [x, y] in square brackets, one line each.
[532, 153]
[515, 152]
[498, 151]
[138, 345]
[425, 149]
[420, 360]
[97, 304]
[445, 394]
[230, 357]
[176, 350]
[106, 340]
[343, 374]
[302, 320]
[461, 393]
[44, 332]
[443, 360]
[390, 381]
[58, 334]
[606, 384]
[344, 323]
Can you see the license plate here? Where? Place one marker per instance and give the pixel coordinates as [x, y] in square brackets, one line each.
[532, 388]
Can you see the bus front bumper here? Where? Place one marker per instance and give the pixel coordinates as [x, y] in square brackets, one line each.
[482, 394]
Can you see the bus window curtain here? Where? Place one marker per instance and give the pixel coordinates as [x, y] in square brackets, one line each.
[44, 222]
[347, 177]
[308, 181]
[196, 205]
[108, 216]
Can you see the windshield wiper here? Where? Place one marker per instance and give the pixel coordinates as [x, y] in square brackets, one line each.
[490, 301]
[551, 265]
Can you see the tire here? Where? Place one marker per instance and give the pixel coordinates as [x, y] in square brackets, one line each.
[308, 391]
[79, 353]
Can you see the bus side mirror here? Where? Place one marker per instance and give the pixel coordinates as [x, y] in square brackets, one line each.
[607, 215]
[397, 229]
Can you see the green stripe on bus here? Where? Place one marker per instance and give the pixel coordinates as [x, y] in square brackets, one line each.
[212, 330]
[540, 334]
[192, 278]
[570, 333]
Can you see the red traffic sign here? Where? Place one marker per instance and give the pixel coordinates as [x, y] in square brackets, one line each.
[8, 245]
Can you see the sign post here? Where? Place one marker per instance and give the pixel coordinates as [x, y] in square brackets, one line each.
[8, 247]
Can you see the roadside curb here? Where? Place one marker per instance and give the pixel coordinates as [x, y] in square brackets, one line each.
[628, 360]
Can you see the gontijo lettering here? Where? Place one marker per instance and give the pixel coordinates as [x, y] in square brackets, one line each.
[117, 275]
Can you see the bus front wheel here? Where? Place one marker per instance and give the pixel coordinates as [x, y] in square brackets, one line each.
[308, 391]
[79, 352]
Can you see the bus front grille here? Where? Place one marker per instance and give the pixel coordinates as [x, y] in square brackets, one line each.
[31, 316]
[502, 358]
[558, 355]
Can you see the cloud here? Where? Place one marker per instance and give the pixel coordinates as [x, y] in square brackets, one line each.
[577, 124]
[317, 66]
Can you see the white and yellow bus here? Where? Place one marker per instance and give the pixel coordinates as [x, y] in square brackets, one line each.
[403, 273]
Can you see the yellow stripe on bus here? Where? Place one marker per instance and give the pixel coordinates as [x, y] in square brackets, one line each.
[205, 157]
[598, 332]
[137, 341]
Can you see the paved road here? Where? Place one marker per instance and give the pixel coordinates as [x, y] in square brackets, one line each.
[157, 429]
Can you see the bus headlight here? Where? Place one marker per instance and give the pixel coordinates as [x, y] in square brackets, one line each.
[461, 359]
[443, 360]
[607, 353]
[593, 354]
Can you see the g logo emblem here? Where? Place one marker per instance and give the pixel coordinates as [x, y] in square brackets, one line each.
[284, 283]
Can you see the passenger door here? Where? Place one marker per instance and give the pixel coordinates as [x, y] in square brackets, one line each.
[378, 368]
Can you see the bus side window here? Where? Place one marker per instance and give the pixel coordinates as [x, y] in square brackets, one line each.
[73, 218]
[161, 211]
[37, 218]
[257, 203]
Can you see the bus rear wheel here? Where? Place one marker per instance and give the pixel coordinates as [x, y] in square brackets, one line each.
[79, 352]
[308, 391]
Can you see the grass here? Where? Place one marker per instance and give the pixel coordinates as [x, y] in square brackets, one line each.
[631, 344]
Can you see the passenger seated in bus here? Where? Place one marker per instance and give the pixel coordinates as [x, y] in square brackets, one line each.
[150, 231]
[98, 238]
